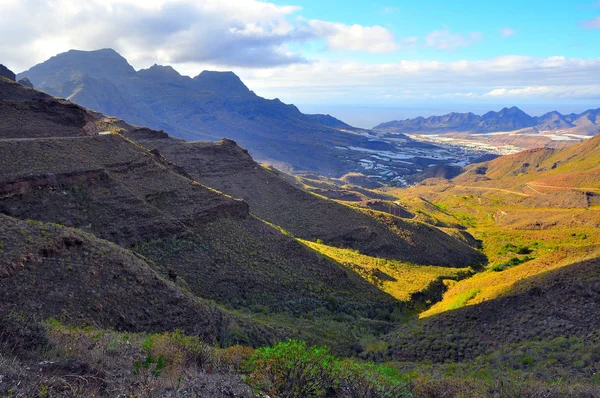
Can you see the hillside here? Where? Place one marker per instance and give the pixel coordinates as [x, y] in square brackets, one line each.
[542, 244]
[131, 261]
[542, 172]
[210, 106]
[230, 169]
[209, 244]
[559, 300]
[27, 113]
[506, 120]
[51, 271]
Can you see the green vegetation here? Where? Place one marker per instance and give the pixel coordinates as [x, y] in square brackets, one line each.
[460, 300]
[292, 369]
[106, 362]
[400, 279]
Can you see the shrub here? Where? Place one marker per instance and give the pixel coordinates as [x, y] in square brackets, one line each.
[523, 250]
[291, 369]
[193, 348]
[232, 359]
[357, 379]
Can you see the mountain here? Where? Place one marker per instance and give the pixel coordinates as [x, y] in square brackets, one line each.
[506, 120]
[135, 263]
[129, 198]
[230, 169]
[210, 106]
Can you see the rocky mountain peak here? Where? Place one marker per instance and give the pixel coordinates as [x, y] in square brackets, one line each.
[221, 82]
[159, 72]
[99, 64]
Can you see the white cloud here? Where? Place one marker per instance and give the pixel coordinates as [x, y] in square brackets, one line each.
[446, 40]
[541, 78]
[374, 39]
[236, 32]
[506, 32]
[548, 92]
[233, 33]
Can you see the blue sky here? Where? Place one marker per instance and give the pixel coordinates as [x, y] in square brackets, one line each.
[541, 27]
[365, 62]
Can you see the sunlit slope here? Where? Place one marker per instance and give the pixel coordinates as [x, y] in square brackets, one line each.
[540, 171]
[399, 279]
[495, 283]
[560, 301]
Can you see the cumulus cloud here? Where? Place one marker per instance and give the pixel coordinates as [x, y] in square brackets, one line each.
[507, 32]
[593, 23]
[541, 78]
[374, 39]
[446, 40]
[239, 32]
[234, 33]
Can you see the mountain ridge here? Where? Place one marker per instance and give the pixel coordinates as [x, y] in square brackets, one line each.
[207, 107]
[505, 120]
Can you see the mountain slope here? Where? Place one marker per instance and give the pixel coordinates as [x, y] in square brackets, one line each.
[27, 113]
[506, 120]
[230, 169]
[209, 242]
[545, 170]
[210, 106]
[559, 299]
[51, 271]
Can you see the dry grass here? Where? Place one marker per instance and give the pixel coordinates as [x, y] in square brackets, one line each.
[90, 362]
[397, 278]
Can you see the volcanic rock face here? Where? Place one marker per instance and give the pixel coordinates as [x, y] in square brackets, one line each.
[7, 73]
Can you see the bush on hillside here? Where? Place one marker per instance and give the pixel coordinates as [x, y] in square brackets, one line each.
[293, 369]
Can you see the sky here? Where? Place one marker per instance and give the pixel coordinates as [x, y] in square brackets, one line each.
[363, 61]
